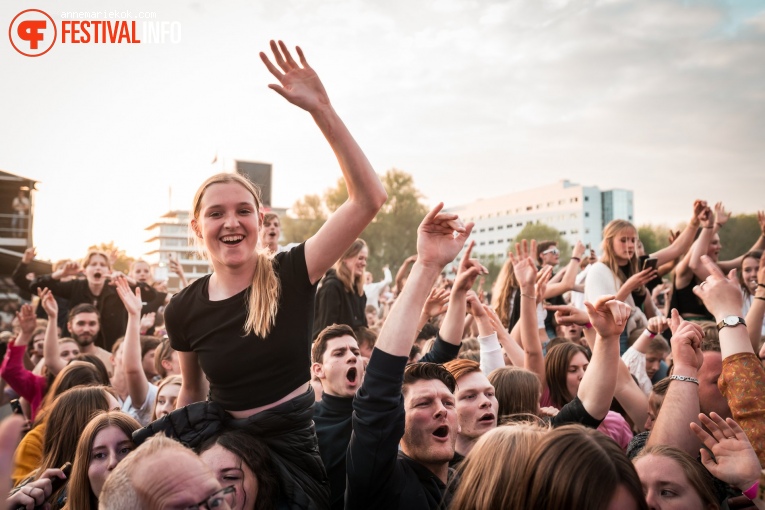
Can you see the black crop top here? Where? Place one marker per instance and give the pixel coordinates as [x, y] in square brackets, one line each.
[248, 371]
[687, 302]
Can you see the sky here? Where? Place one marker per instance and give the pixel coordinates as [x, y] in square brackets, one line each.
[474, 98]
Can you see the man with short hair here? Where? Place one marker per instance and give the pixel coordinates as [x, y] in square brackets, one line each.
[413, 406]
[270, 233]
[84, 325]
[160, 474]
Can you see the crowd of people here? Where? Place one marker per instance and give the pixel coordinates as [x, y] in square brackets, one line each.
[288, 378]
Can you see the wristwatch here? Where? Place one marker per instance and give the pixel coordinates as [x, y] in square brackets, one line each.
[730, 320]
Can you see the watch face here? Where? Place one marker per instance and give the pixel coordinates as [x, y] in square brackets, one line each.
[731, 320]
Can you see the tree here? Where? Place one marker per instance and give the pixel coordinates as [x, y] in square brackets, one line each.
[392, 235]
[121, 262]
[654, 237]
[738, 235]
[542, 232]
[308, 215]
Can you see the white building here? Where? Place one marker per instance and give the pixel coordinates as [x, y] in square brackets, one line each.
[169, 237]
[578, 212]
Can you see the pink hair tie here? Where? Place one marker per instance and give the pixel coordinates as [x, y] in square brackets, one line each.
[751, 492]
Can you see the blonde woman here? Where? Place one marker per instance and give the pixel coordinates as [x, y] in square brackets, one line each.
[246, 328]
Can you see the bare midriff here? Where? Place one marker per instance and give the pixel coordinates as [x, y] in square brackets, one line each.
[250, 412]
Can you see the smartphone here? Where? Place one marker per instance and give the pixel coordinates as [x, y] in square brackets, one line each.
[57, 483]
[650, 263]
[16, 407]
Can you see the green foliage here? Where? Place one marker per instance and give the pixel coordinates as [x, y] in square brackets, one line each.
[392, 235]
[309, 214]
[543, 232]
[738, 235]
[654, 237]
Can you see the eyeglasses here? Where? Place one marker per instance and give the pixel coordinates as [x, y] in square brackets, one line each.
[554, 251]
[225, 496]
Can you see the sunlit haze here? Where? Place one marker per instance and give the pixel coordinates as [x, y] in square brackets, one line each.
[474, 99]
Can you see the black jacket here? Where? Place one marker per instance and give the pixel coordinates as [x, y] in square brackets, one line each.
[379, 476]
[335, 305]
[332, 416]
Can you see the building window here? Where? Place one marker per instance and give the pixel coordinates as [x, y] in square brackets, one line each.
[587, 231]
[491, 229]
[586, 214]
[500, 227]
[482, 243]
[519, 224]
[483, 229]
[586, 198]
[563, 232]
[491, 242]
[529, 208]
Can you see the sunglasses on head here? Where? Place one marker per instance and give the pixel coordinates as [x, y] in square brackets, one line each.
[554, 251]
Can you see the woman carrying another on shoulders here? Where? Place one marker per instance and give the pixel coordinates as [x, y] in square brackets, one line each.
[247, 327]
[618, 272]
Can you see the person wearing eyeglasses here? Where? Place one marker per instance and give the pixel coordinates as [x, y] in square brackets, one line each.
[163, 474]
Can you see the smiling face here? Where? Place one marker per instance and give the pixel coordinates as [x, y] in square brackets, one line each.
[230, 470]
[110, 446]
[749, 273]
[431, 422]
[228, 223]
[624, 245]
[477, 406]
[665, 485]
[342, 368]
[358, 263]
[576, 369]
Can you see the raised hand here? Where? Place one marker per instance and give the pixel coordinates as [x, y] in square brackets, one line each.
[542, 279]
[721, 295]
[657, 325]
[698, 208]
[567, 314]
[440, 237]
[468, 271]
[48, 302]
[608, 316]
[735, 461]
[524, 268]
[132, 302]
[437, 302]
[27, 320]
[475, 307]
[300, 86]
[29, 255]
[686, 342]
[761, 221]
[71, 268]
[147, 321]
[578, 250]
[721, 215]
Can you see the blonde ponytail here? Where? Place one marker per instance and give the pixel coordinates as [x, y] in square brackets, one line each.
[263, 299]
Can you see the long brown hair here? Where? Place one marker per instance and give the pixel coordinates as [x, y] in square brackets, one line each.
[611, 231]
[503, 292]
[350, 282]
[76, 373]
[263, 297]
[556, 370]
[517, 390]
[698, 477]
[493, 469]
[80, 495]
[70, 413]
[575, 467]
